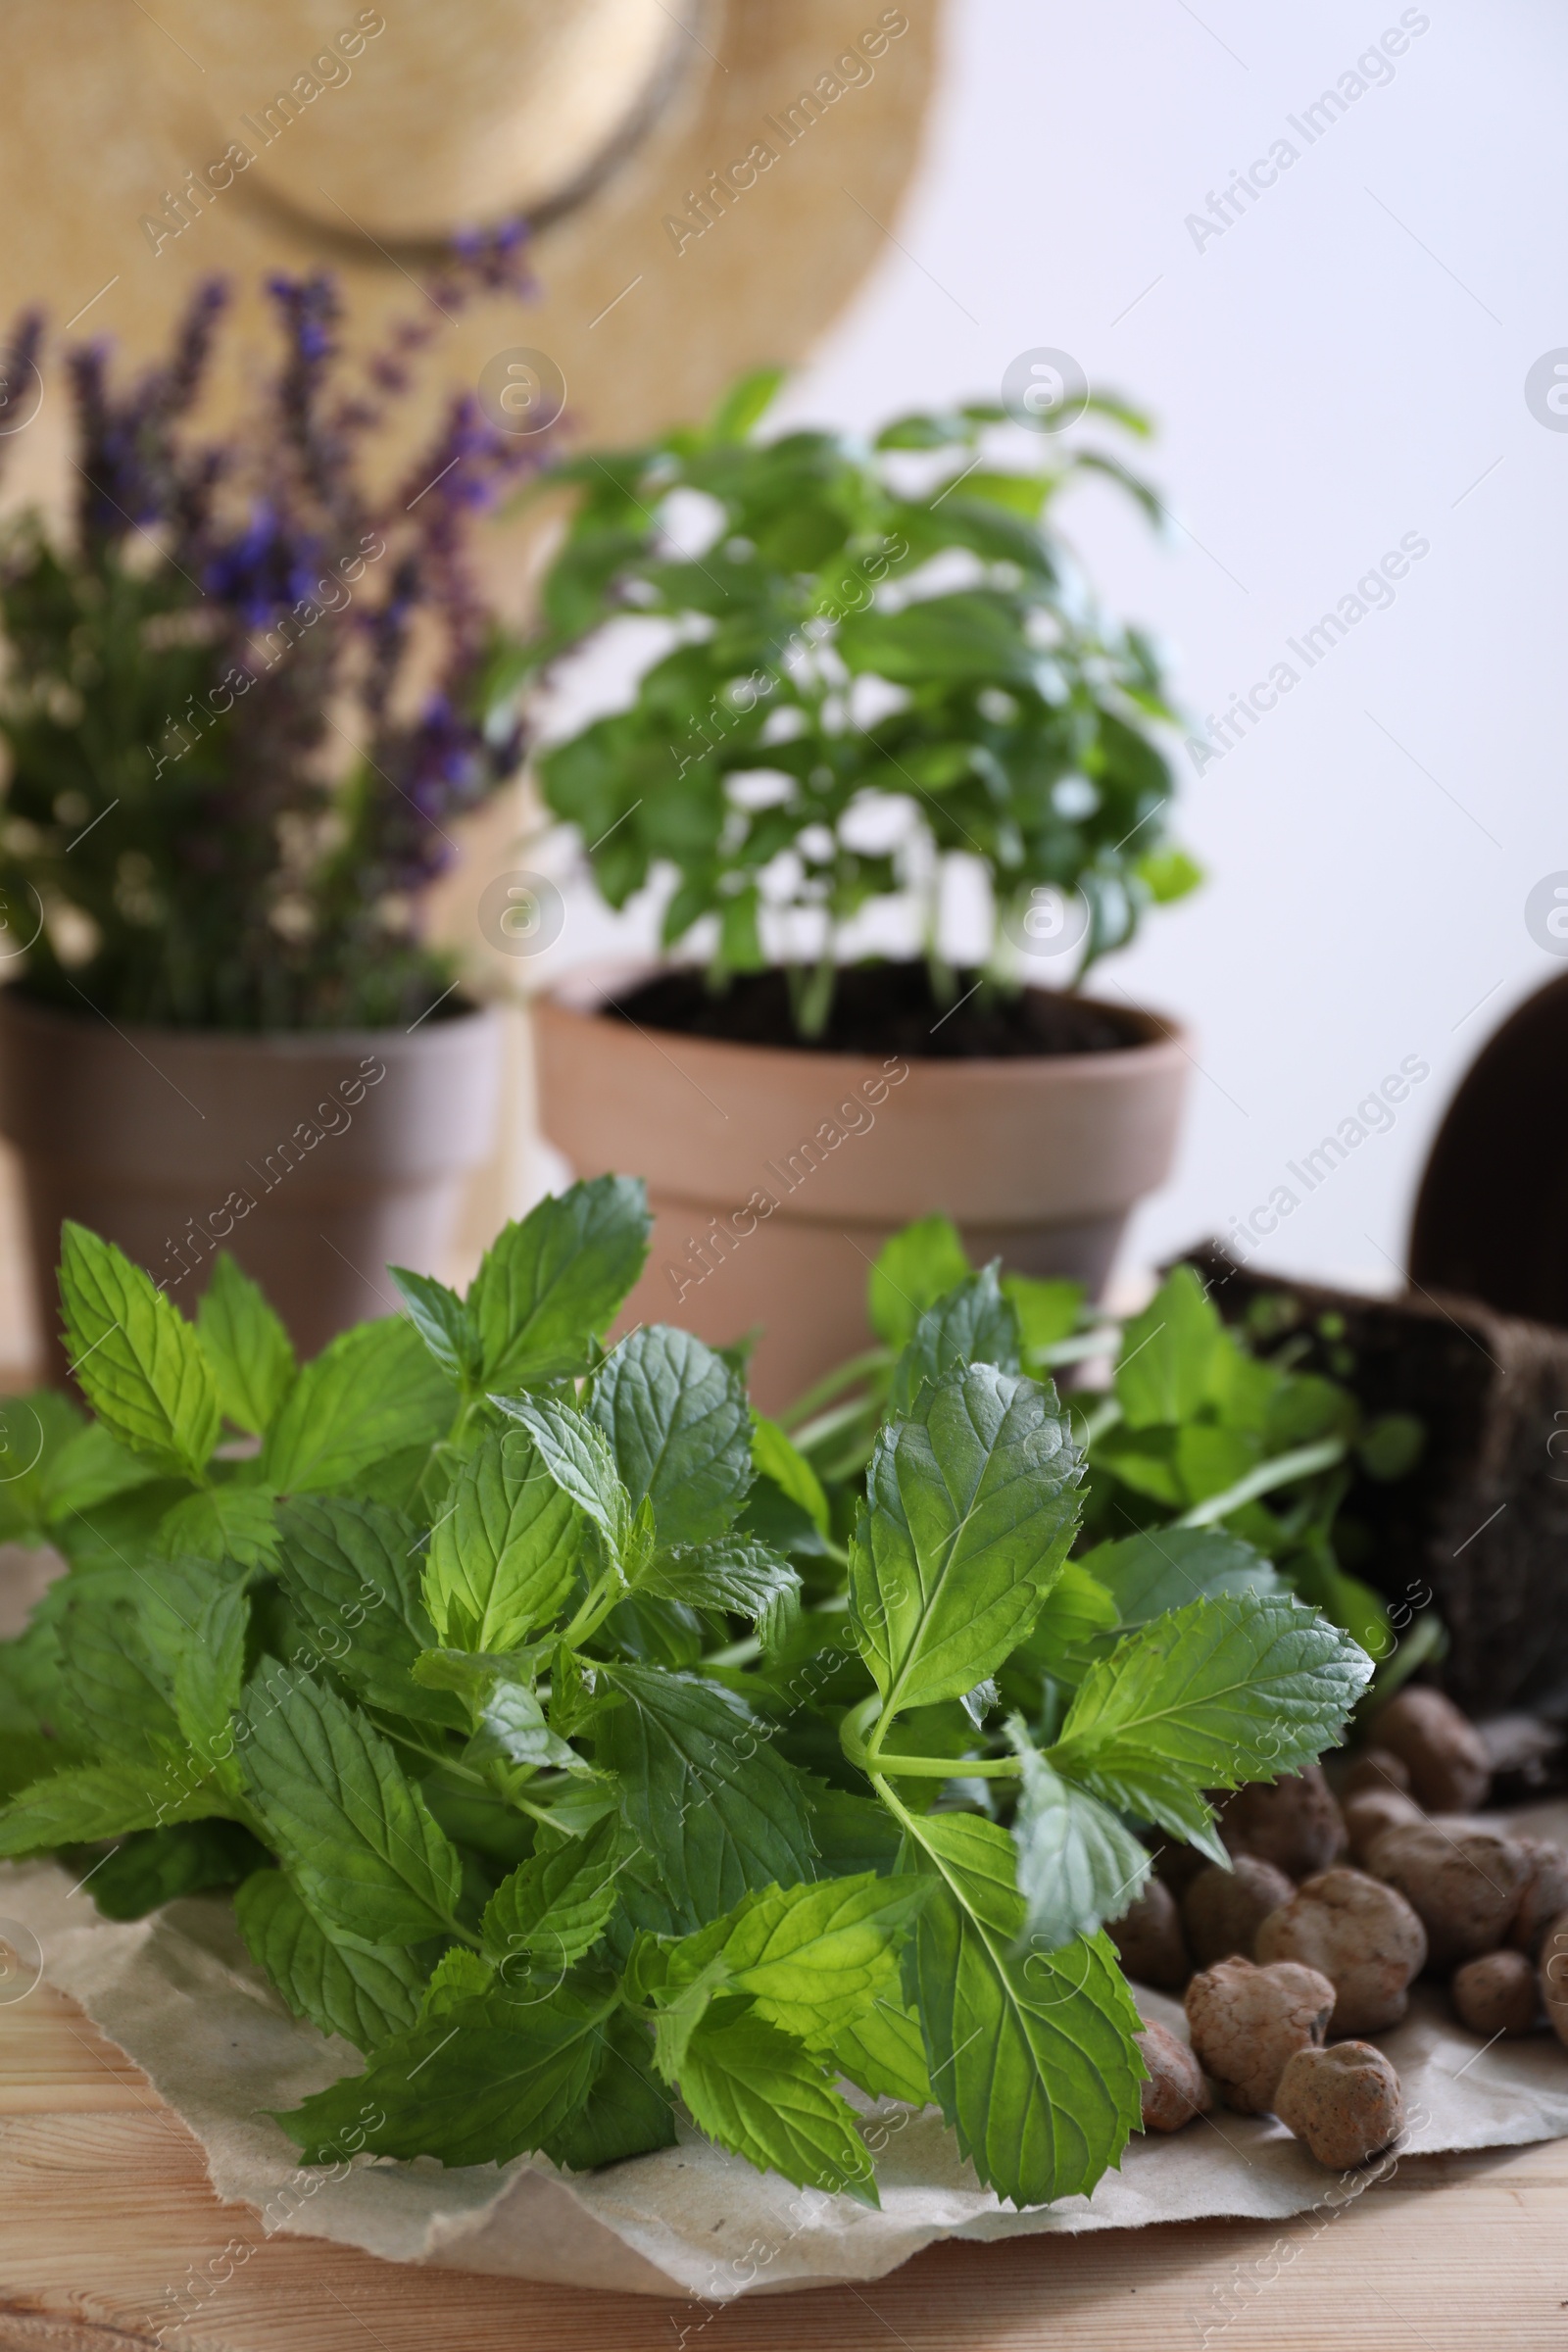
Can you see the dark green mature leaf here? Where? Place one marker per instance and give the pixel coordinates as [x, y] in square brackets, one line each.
[107, 1800]
[1163, 1568]
[139, 1363]
[504, 1556]
[577, 1454]
[210, 1675]
[975, 635]
[628, 2112]
[971, 1509]
[1031, 2053]
[373, 1393]
[119, 1693]
[549, 1287]
[476, 2084]
[677, 1418]
[357, 1836]
[748, 1579]
[442, 1321]
[363, 1995]
[154, 1867]
[222, 1522]
[245, 1342]
[1212, 1695]
[354, 1570]
[555, 1908]
[973, 1324]
[1166, 1353]
[913, 1270]
[756, 2090]
[1078, 1862]
[707, 1799]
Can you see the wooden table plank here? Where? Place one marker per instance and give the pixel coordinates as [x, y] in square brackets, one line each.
[109, 2231]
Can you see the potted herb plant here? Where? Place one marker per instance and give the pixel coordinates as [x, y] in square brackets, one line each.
[877, 668]
[245, 699]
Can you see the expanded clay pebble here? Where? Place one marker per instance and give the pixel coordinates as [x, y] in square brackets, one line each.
[1176, 2090]
[1364, 1938]
[1376, 1768]
[1446, 1759]
[1149, 1943]
[1246, 2022]
[1545, 1894]
[1292, 1822]
[1553, 1976]
[1496, 1993]
[1371, 1811]
[1222, 1910]
[1345, 2102]
[1464, 1882]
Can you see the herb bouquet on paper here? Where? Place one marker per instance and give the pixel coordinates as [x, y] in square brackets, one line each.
[565, 1762]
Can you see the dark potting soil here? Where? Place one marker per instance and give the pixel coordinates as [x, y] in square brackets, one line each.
[884, 1008]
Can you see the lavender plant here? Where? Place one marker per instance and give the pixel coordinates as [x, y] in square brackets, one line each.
[249, 693]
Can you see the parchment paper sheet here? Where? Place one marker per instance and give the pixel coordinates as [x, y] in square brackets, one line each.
[180, 1997]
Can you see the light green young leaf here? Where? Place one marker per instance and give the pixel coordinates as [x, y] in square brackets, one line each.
[577, 1456]
[750, 1579]
[1225, 1691]
[141, 1365]
[549, 1287]
[1167, 1353]
[459, 1975]
[776, 1456]
[812, 1957]
[555, 1906]
[442, 1321]
[971, 1507]
[357, 1836]
[250, 1354]
[973, 1324]
[1078, 1862]
[222, 1522]
[363, 1995]
[84, 1469]
[352, 1570]
[1046, 1311]
[913, 1270]
[504, 1556]
[677, 1418]
[882, 2050]
[107, 1800]
[373, 1393]
[1031, 2053]
[757, 2092]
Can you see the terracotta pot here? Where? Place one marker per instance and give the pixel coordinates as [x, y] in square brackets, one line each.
[315, 1156]
[776, 1174]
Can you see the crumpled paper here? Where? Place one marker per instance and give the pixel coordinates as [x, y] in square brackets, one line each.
[180, 1997]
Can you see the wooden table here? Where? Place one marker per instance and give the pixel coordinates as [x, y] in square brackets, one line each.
[105, 2207]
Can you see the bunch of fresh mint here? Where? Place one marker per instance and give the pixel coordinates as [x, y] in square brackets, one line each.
[567, 1760]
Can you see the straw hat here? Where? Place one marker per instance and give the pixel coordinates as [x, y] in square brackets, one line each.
[708, 179]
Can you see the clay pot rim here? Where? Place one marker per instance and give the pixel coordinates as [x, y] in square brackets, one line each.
[16, 1006]
[581, 994]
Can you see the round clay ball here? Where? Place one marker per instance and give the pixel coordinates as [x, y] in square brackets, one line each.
[1222, 1910]
[1496, 1993]
[1553, 1976]
[1176, 2090]
[1149, 1940]
[1371, 1811]
[1176, 1866]
[1344, 2102]
[1440, 1747]
[1292, 1822]
[1375, 1768]
[1545, 1894]
[1465, 1884]
[1364, 1938]
[1246, 2022]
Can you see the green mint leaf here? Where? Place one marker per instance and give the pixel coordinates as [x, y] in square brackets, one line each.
[1221, 1692]
[120, 1694]
[1167, 1352]
[705, 1798]
[913, 1270]
[1078, 1862]
[374, 1394]
[84, 1469]
[677, 1418]
[761, 2096]
[35, 1431]
[457, 1976]
[1046, 1311]
[549, 1285]
[747, 1579]
[577, 1456]
[357, 1836]
[973, 1324]
[970, 1509]
[250, 1354]
[210, 1675]
[556, 1907]
[1163, 1568]
[1078, 1622]
[106, 1800]
[222, 1522]
[481, 2083]
[629, 2112]
[503, 1557]
[882, 2051]
[352, 1570]
[1031, 2054]
[442, 1321]
[154, 1867]
[509, 1728]
[362, 1995]
[776, 1456]
[812, 1957]
[139, 1363]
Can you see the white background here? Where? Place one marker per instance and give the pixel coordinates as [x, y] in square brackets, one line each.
[1344, 364]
